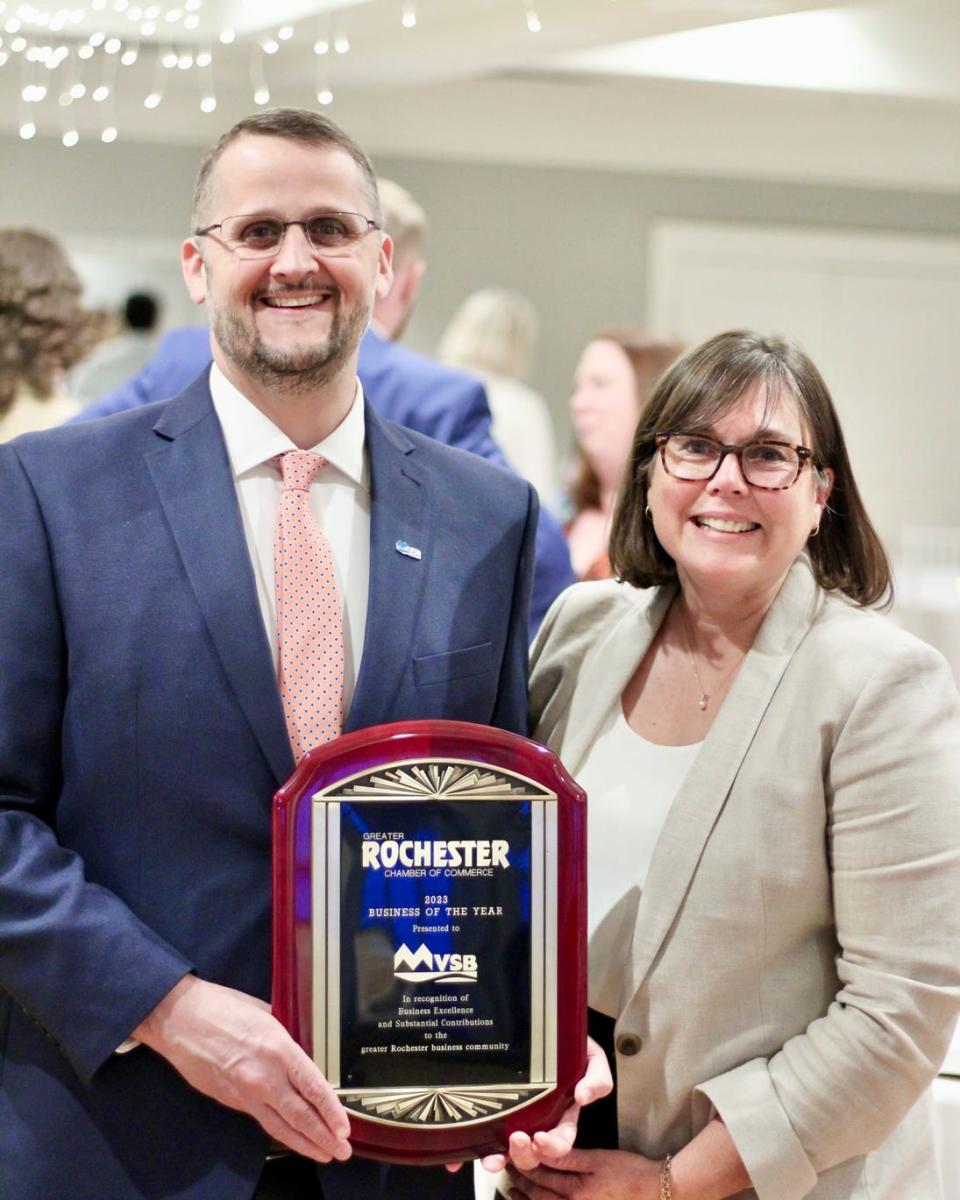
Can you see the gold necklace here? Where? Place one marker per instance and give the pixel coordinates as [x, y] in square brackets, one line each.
[704, 694]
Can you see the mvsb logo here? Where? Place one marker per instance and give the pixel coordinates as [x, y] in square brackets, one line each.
[423, 966]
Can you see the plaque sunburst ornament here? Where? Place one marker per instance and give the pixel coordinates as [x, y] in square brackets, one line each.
[442, 781]
[438, 1106]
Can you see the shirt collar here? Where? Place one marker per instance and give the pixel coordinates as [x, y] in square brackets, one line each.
[252, 439]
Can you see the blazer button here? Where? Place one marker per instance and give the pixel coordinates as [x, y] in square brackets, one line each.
[628, 1044]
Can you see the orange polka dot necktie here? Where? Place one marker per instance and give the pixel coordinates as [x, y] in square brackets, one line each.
[309, 617]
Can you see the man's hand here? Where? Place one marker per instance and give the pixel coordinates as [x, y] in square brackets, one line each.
[526, 1152]
[228, 1046]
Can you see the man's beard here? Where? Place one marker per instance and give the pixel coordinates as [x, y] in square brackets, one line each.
[298, 369]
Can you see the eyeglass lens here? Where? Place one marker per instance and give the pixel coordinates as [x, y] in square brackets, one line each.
[764, 464]
[255, 236]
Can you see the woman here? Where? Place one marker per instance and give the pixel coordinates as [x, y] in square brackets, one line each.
[774, 781]
[44, 330]
[614, 377]
[493, 334]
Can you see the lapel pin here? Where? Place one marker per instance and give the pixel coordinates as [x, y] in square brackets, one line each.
[406, 549]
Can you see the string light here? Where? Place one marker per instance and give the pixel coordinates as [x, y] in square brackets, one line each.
[82, 36]
[533, 20]
[27, 130]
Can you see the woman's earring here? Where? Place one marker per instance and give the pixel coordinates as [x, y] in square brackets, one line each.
[647, 513]
[815, 530]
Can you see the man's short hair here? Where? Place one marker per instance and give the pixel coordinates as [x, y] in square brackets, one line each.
[404, 221]
[296, 124]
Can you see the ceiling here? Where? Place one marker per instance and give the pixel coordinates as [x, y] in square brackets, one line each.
[868, 92]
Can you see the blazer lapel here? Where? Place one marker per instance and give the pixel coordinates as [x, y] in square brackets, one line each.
[701, 798]
[606, 669]
[400, 549]
[192, 475]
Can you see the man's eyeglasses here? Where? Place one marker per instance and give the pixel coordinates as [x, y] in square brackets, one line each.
[764, 463]
[253, 236]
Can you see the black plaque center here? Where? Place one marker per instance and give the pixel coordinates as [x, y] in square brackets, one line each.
[435, 943]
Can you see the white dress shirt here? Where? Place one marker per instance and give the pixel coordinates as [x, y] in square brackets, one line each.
[339, 499]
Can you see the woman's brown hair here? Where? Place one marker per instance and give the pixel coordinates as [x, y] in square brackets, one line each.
[847, 555]
[649, 356]
[44, 329]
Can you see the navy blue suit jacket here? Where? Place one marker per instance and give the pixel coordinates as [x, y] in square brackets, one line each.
[142, 738]
[402, 386]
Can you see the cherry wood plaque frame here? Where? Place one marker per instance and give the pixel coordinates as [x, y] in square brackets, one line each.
[505, 783]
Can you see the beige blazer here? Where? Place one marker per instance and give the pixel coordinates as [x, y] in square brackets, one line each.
[794, 960]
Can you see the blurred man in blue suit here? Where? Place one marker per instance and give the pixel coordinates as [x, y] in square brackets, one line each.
[406, 387]
[142, 732]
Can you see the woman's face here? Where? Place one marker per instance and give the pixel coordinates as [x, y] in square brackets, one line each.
[605, 406]
[725, 536]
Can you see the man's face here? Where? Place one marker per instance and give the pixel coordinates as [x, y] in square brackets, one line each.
[292, 322]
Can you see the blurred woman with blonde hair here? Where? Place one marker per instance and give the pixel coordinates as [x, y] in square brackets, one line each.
[493, 334]
[44, 330]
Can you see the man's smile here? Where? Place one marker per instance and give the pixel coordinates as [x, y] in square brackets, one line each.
[296, 300]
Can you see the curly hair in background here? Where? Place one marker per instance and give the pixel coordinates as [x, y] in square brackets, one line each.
[44, 329]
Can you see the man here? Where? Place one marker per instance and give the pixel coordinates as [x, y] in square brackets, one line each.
[406, 387]
[142, 728]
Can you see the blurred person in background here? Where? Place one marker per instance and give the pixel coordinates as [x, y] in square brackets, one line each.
[44, 331]
[613, 379]
[774, 817]
[119, 357]
[493, 334]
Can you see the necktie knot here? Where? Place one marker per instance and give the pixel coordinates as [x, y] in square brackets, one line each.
[299, 468]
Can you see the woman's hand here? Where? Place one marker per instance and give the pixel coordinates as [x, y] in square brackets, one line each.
[587, 1175]
[527, 1152]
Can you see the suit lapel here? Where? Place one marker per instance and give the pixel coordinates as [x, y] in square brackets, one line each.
[704, 792]
[192, 475]
[399, 514]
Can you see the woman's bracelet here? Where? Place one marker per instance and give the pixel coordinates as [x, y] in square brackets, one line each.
[664, 1179]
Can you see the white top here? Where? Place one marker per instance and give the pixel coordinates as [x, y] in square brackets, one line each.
[630, 785]
[29, 413]
[339, 499]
